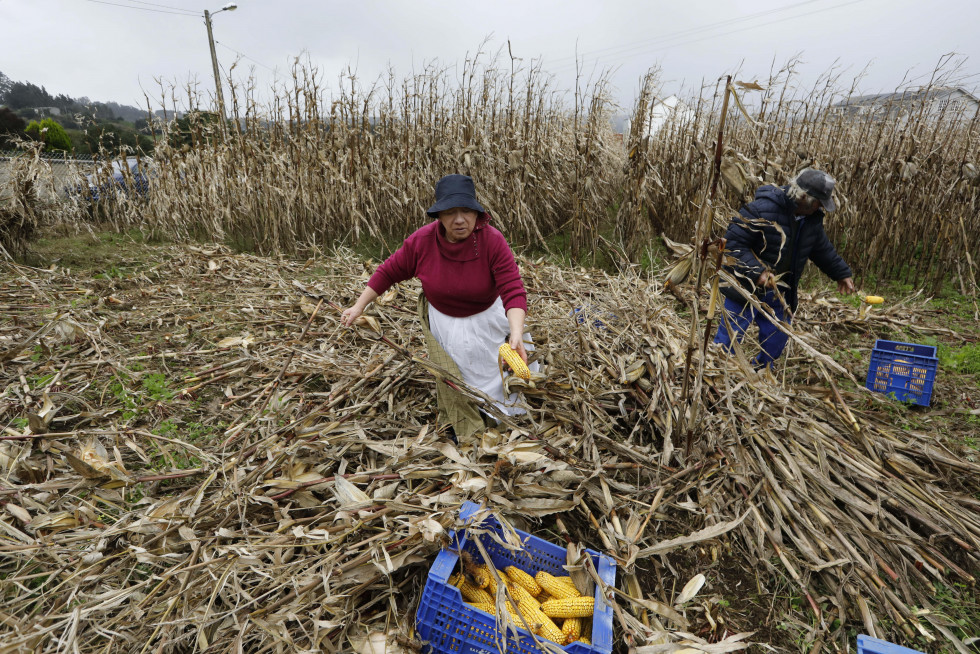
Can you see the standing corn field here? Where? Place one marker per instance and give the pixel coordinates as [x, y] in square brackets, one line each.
[312, 174]
[908, 187]
[304, 173]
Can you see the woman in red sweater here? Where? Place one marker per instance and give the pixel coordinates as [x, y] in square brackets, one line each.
[476, 298]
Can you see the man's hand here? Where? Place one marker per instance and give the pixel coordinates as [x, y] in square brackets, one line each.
[766, 280]
[845, 286]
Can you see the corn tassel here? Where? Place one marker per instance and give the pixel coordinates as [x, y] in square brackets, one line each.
[557, 589]
[514, 360]
[523, 579]
[575, 607]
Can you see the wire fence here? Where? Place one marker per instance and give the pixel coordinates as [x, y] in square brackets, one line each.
[54, 157]
[68, 171]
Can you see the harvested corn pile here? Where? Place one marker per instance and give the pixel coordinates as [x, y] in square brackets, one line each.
[533, 602]
[196, 456]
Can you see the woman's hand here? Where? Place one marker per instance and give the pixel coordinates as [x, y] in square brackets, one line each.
[516, 343]
[368, 295]
[845, 286]
[351, 314]
[516, 318]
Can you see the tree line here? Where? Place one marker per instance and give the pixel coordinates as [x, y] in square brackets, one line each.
[81, 126]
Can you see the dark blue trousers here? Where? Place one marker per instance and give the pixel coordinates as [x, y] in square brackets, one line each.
[736, 318]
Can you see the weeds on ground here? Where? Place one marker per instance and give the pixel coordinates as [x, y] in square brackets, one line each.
[963, 616]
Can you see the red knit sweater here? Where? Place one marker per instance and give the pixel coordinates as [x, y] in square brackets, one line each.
[459, 279]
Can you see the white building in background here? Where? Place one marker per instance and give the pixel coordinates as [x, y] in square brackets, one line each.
[933, 102]
[662, 112]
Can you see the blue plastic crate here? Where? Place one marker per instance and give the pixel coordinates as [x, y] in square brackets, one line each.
[445, 623]
[906, 369]
[869, 645]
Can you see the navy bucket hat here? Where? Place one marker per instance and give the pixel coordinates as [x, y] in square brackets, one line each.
[455, 191]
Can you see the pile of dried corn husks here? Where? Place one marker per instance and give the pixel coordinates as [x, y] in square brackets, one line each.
[196, 456]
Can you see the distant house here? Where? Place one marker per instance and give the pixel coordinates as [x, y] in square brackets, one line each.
[933, 102]
[47, 111]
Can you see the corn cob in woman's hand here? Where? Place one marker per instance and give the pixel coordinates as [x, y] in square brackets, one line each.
[514, 360]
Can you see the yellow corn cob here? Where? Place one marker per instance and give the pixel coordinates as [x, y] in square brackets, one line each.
[575, 607]
[515, 362]
[873, 299]
[523, 579]
[486, 576]
[556, 588]
[546, 627]
[572, 628]
[568, 582]
[583, 639]
[515, 615]
[474, 594]
[489, 607]
[455, 580]
[522, 594]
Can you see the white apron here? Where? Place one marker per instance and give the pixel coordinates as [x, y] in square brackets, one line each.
[473, 343]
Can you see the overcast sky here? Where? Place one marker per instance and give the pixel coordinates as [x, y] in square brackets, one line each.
[115, 49]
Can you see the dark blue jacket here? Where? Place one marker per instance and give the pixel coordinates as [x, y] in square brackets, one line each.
[753, 240]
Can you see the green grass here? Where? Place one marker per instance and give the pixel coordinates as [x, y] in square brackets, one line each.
[960, 608]
[163, 458]
[965, 360]
[112, 272]
[190, 431]
[88, 252]
[604, 258]
[18, 423]
[39, 381]
[118, 390]
[972, 440]
[155, 386]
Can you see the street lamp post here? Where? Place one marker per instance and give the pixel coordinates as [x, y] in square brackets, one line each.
[231, 6]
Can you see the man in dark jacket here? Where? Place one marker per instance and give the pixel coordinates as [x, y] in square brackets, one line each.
[771, 239]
